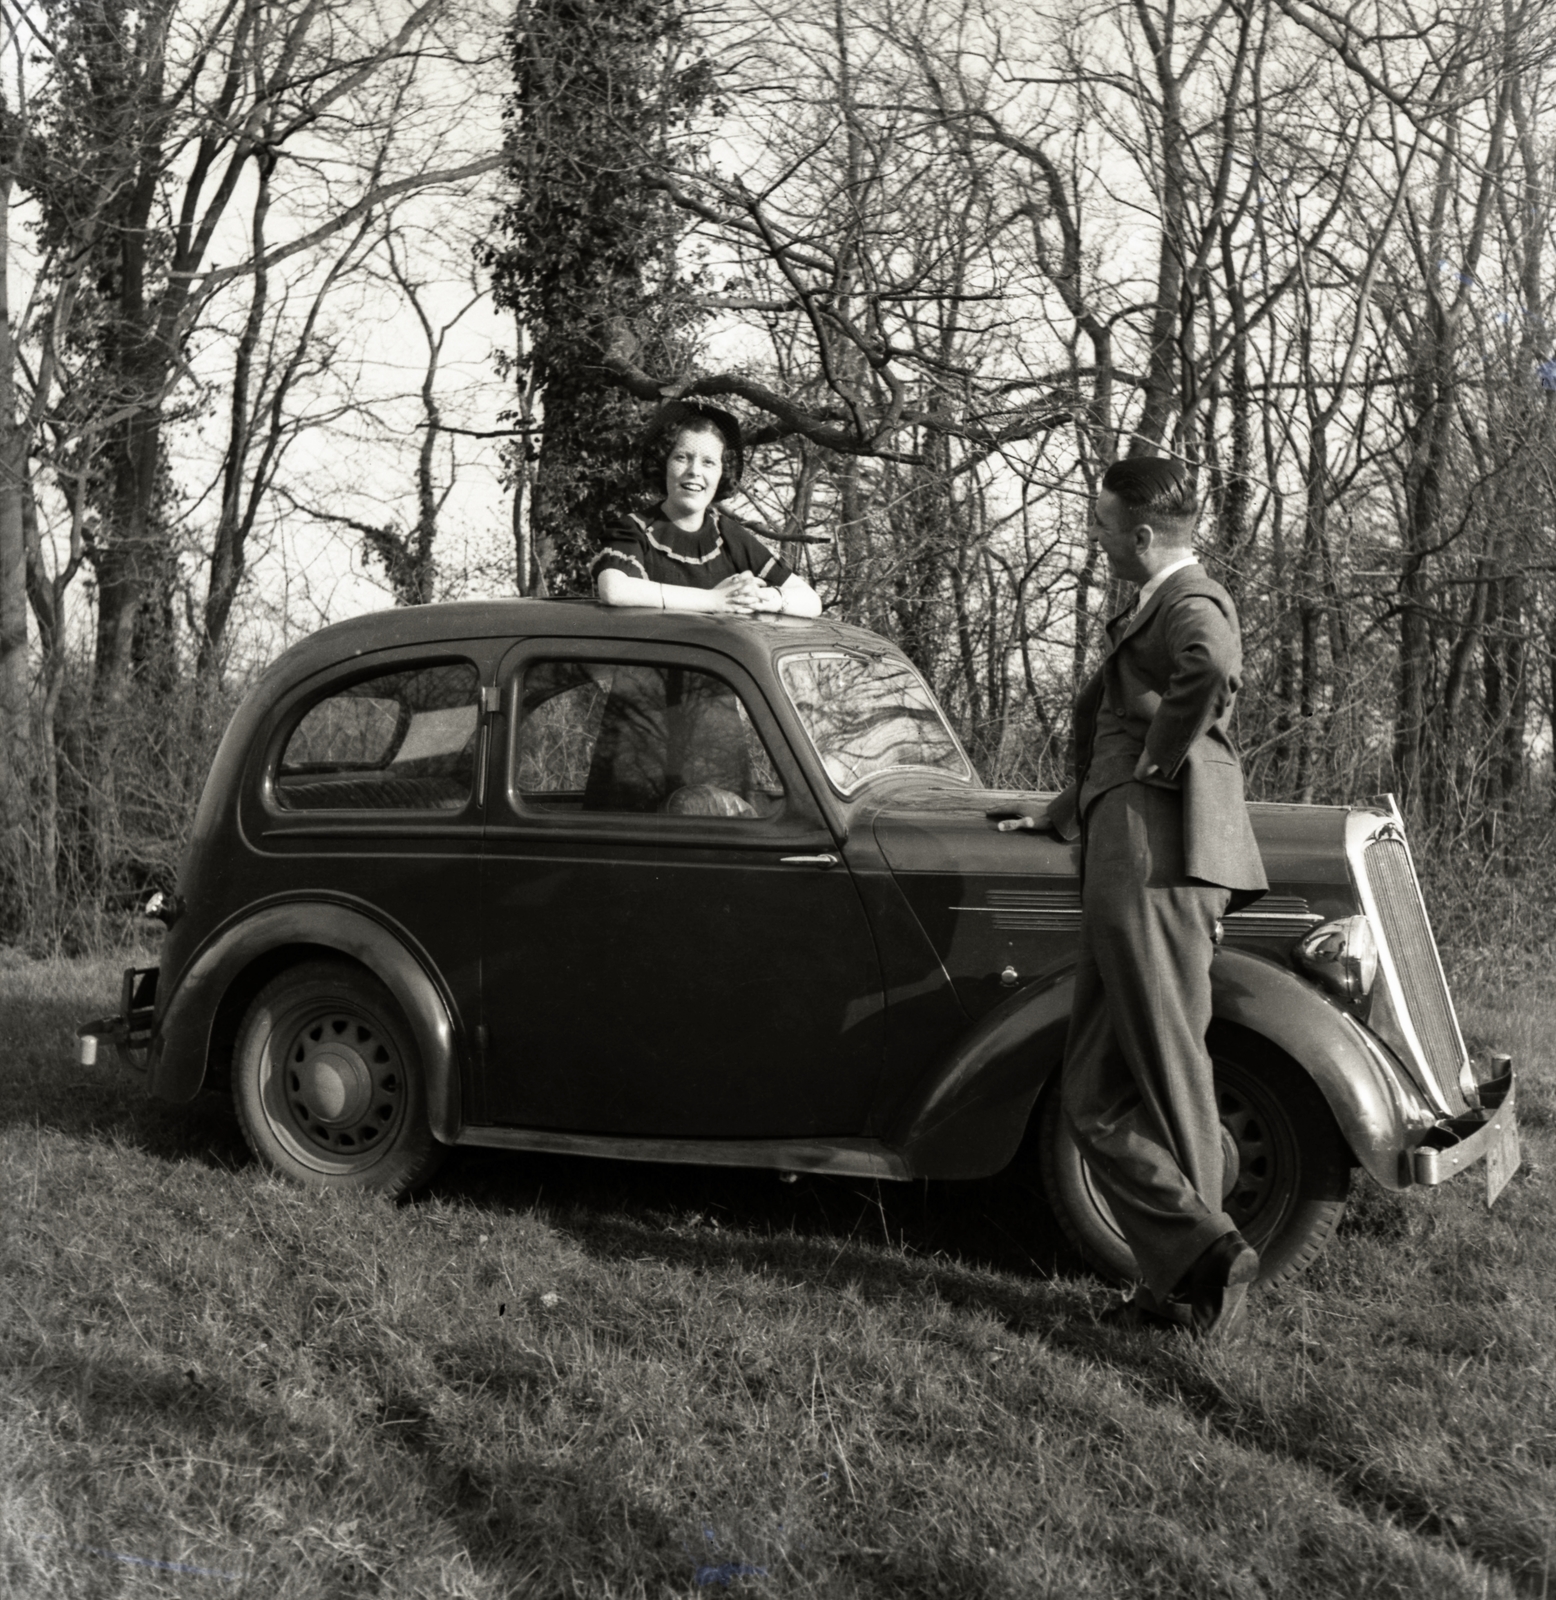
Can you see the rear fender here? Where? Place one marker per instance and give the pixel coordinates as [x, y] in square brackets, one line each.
[181, 1041]
[968, 1118]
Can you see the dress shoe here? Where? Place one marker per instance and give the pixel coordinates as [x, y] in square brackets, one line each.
[1215, 1288]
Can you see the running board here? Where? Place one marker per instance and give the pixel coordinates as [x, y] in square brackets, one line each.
[850, 1158]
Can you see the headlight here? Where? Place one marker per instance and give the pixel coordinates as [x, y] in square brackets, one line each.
[1343, 956]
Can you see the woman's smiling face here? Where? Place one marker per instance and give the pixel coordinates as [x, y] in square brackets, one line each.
[692, 472]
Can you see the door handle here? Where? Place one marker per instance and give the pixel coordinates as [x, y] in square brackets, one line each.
[809, 861]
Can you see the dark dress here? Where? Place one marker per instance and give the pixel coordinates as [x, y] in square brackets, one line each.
[667, 730]
[657, 550]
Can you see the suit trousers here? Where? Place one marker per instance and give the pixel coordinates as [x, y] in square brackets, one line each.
[1137, 1088]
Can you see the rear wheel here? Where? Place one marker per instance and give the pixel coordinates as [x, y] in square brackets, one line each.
[1288, 1171]
[329, 1085]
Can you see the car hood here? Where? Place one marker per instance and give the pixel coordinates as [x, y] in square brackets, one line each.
[1002, 910]
[935, 829]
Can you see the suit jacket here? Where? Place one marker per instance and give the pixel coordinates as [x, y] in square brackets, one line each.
[1171, 678]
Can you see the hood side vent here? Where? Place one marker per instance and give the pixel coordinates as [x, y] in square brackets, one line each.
[1031, 910]
[1273, 916]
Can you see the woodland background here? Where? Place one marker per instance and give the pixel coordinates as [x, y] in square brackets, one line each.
[298, 291]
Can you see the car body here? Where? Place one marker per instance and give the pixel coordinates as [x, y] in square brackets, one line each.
[544, 875]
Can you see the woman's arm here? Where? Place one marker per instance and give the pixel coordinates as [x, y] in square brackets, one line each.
[793, 596]
[618, 588]
[799, 599]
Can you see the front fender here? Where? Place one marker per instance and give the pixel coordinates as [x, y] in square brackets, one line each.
[1380, 1113]
[969, 1116]
[181, 1040]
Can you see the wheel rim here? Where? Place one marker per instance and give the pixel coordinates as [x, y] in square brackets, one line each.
[336, 1087]
[1260, 1160]
[1254, 1161]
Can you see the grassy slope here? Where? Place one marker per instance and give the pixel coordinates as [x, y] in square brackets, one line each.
[552, 1377]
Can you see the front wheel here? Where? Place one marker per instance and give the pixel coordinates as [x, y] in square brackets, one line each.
[328, 1082]
[1287, 1170]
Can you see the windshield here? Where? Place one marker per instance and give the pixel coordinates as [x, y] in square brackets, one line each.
[870, 714]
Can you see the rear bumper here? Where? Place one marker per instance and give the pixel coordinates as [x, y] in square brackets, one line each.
[1489, 1134]
[129, 1031]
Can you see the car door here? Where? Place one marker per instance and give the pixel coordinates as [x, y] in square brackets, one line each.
[370, 797]
[672, 944]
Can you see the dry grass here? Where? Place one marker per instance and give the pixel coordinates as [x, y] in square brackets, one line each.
[563, 1378]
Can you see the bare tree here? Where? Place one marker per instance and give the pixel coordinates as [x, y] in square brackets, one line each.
[272, 359]
[407, 554]
[156, 119]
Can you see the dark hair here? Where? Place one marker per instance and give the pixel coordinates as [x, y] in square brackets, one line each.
[1154, 488]
[667, 425]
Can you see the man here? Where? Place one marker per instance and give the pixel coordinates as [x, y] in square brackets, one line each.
[1166, 850]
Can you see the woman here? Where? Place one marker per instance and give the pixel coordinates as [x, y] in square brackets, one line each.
[672, 739]
[681, 554]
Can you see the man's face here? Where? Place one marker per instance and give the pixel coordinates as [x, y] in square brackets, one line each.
[1109, 528]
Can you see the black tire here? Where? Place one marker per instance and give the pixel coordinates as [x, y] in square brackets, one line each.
[1288, 1169]
[328, 1082]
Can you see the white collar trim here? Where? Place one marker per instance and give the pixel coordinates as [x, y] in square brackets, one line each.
[689, 561]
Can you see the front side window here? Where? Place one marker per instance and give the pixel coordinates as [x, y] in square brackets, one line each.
[400, 741]
[641, 738]
[870, 714]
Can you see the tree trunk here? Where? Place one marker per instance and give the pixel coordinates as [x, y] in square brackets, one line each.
[1162, 367]
[529, 576]
[1231, 484]
[1310, 613]
[14, 712]
[227, 554]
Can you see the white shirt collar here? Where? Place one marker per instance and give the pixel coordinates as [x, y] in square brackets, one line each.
[1151, 585]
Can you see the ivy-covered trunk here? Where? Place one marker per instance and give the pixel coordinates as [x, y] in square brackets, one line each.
[586, 253]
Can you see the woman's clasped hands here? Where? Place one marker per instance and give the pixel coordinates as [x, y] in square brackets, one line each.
[745, 593]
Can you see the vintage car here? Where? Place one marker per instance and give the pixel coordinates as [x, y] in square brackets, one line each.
[544, 876]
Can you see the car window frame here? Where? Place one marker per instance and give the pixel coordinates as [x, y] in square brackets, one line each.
[803, 821]
[268, 819]
[849, 797]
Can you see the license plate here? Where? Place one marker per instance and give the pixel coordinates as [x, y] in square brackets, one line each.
[1502, 1155]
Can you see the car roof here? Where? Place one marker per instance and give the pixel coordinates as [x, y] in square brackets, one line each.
[752, 640]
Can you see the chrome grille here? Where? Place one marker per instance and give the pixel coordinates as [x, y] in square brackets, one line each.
[1409, 939]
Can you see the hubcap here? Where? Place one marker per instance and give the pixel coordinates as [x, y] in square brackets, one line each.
[335, 1085]
[1231, 1164]
[342, 1084]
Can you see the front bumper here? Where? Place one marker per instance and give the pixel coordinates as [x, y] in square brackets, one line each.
[130, 1030]
[1489, 1134]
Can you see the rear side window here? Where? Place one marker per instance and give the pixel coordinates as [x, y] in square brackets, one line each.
[401, 741]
